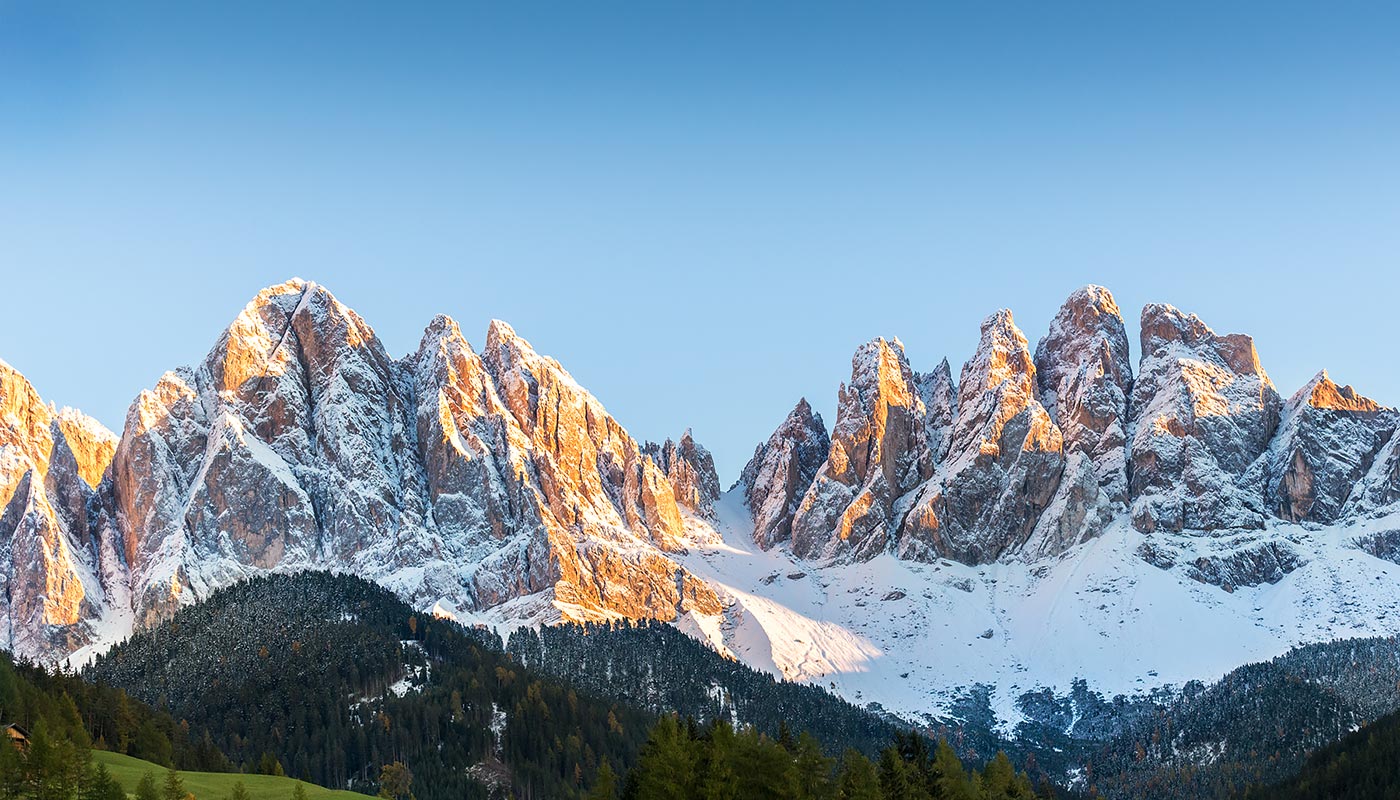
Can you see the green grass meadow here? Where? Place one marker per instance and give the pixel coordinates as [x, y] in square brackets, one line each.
[215, 785]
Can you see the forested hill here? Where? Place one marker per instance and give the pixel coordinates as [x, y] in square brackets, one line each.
[657, 667]
[1254, 726]
[336, 677]
[1365, 765]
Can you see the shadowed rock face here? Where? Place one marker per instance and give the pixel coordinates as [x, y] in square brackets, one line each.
[877, 454]
[1084, 375]
[940, 396]
[1379, 489]
[1327, 440]
[1202, 411]
[52, 522]
[781, 471]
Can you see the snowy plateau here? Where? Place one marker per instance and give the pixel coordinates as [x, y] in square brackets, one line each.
[1050, 515]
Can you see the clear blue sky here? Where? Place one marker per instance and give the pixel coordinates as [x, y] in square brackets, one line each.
[700, 208]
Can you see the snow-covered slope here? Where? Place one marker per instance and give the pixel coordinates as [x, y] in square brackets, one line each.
[1047, 517]
[913, 636]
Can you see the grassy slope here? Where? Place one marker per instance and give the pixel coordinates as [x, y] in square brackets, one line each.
[215, 785]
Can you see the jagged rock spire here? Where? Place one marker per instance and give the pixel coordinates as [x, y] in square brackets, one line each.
[940, 396]
[690, 469]
[57, 563]
[775, 480]
[876, 454]
[1327, 440]
[1084, 376]
[1004, 460]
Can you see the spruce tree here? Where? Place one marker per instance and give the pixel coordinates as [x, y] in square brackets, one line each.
[174, 788]
[146, 789]
[859, 780]
[605, 784]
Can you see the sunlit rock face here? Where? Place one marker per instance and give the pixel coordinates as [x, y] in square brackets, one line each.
[609, 509]
[592, 474]
[1202, 411]
[56, 558]
[782, 469]
[291, 446]
[490, 520]
[877, 454]
[1084, 373]
[1004, 459]
[1327, 440]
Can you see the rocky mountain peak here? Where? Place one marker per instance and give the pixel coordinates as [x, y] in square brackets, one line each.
[1004, 460]
[877, 453]
[690, 469]
[1202, 411]
[782, 469]
[24, 418]
[997, 384]
[1321, 392]
[90, 442]
[1327, 440]
[1084, 376]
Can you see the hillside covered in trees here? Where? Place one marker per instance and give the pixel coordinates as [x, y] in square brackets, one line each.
[1364, 765]
[334, 677]
[1253, 727]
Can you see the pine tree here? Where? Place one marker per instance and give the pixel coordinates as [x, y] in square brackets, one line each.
[605, 784]
[950, 778]
[718, 779]
[858, 780]
[895, 780]
[174, 788]
[101, 785]
[813, 769]
[146, 789]
[239, 792]
[12, 768]
[299, 793]
[666, 768]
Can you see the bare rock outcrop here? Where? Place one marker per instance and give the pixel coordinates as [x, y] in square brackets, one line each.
[690, 469]
[1327, 440]
[1202, 411]
[1003, 464]
[56, 572]
[877, 454]
[776, 479]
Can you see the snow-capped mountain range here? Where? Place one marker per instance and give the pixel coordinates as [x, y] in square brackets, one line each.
[1047, 516]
